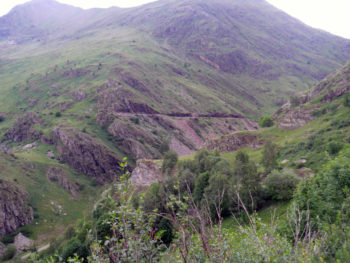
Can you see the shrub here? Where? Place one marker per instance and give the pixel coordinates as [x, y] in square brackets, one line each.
[334, 148]
[280, 185]
[294, 101]
[347, 100]
[9, 253]
[266, 121]
[269, 157]
[164, 147]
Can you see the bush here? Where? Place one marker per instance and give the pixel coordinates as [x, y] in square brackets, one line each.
[334, 148]
[10, 252]
[294, 101]
[266, 122]
[280, 186]
[347, 100]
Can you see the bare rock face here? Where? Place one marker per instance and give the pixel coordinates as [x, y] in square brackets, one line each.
[288, 118]
[23, 128]
[14, 209]
[79, 95]
[86, 154]
[146, 173]
[233, 142]
[335, 93]
[129, 135]
[55, 174]
[23, 243]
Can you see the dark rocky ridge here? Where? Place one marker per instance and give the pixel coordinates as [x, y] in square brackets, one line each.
[14, 209]
[24, 128]
[86, 154]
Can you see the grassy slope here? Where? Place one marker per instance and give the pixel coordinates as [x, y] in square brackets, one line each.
[30, 73]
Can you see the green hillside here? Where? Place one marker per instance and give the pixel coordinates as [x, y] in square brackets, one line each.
[81, 89]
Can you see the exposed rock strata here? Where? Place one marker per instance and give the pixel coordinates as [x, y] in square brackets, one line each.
[146, 173]
[233, 142]
[24, 128]
[86, 154]
[14, 209]
[55, 174]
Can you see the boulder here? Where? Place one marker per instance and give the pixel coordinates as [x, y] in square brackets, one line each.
[23, 243]
[146, 173]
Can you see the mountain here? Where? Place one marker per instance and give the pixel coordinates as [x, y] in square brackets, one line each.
[81, 89]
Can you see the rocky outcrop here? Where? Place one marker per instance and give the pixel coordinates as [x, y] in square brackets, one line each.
[146, 173]
[86, 154]
[129, 135]
[111, 102]
[289, 118]
[79, 95]
[23, 243]
[57, 175]
[24, 128]
[14, 209]
[233, 142]
[335, 93]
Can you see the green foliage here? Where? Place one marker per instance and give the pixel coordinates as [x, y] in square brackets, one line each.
[202, 181]
[347, 100]
[269, 156]
[164, 147]
[169, 161]
[334, 148]
[265, 121]
[280, 185]
[9, 253]
[247, 181]
[294, 101]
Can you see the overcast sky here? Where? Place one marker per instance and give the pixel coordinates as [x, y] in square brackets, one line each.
[330, 15]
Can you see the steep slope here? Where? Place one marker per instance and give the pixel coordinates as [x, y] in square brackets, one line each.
[80, 90]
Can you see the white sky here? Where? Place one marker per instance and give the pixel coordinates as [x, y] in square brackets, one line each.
[330, 15]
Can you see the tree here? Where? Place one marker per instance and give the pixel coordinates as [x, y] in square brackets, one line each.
[169, 161]
[266, 121]
[247, 179]
[280, 185]
[294, 101]
[269, 156]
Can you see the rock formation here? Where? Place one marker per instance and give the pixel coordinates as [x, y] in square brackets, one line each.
[24, 129]
[86, 154]
[146, 173]
[14, 209]
[55, 174]
[233, 142]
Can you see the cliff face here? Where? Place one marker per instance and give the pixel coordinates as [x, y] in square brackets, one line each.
[233, 142]
[14, 209]
[86, 154]
[146, 173]
[23, 128]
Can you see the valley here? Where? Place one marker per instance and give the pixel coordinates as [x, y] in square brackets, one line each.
[179, 88]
